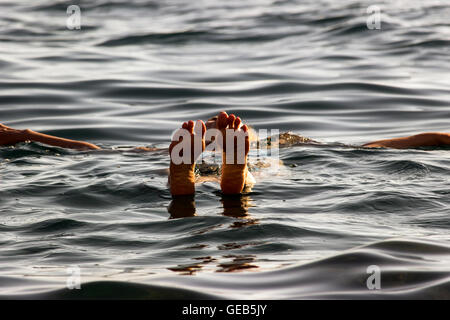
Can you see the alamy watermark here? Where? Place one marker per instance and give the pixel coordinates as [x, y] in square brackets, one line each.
[73, 21]
[232, 143]
[374, 280]
[74, 279]
[373, 22]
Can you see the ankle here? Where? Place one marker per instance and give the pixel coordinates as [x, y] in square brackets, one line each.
[233, 177]
[182, 179]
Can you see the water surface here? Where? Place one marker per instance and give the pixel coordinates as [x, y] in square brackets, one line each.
[137, 69]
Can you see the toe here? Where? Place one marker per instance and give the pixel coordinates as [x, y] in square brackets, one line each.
[231, 120]
[203, 128]
[190, 126]
[237, 123]
[222, 120]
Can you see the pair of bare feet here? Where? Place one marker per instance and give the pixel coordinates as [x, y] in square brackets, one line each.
[234, 173]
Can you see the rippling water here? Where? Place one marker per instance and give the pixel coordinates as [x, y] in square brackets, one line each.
[137, 69]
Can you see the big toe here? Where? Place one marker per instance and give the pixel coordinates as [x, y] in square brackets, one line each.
[222, 120]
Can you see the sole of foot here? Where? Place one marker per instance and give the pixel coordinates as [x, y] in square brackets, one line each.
[188, 139]
[235, 145]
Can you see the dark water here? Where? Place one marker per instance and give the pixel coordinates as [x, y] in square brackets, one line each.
[137, 69]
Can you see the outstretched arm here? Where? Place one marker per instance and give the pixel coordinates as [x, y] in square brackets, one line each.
[10, 136]
[430, 139]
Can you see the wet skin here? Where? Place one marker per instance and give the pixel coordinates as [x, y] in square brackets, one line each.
[10, 136]
[234, 175]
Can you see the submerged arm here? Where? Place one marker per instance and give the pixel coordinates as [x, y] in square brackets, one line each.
[430, 139]
[10, 136]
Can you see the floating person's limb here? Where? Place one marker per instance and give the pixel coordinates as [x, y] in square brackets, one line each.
[10, 136]
[431, 139]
